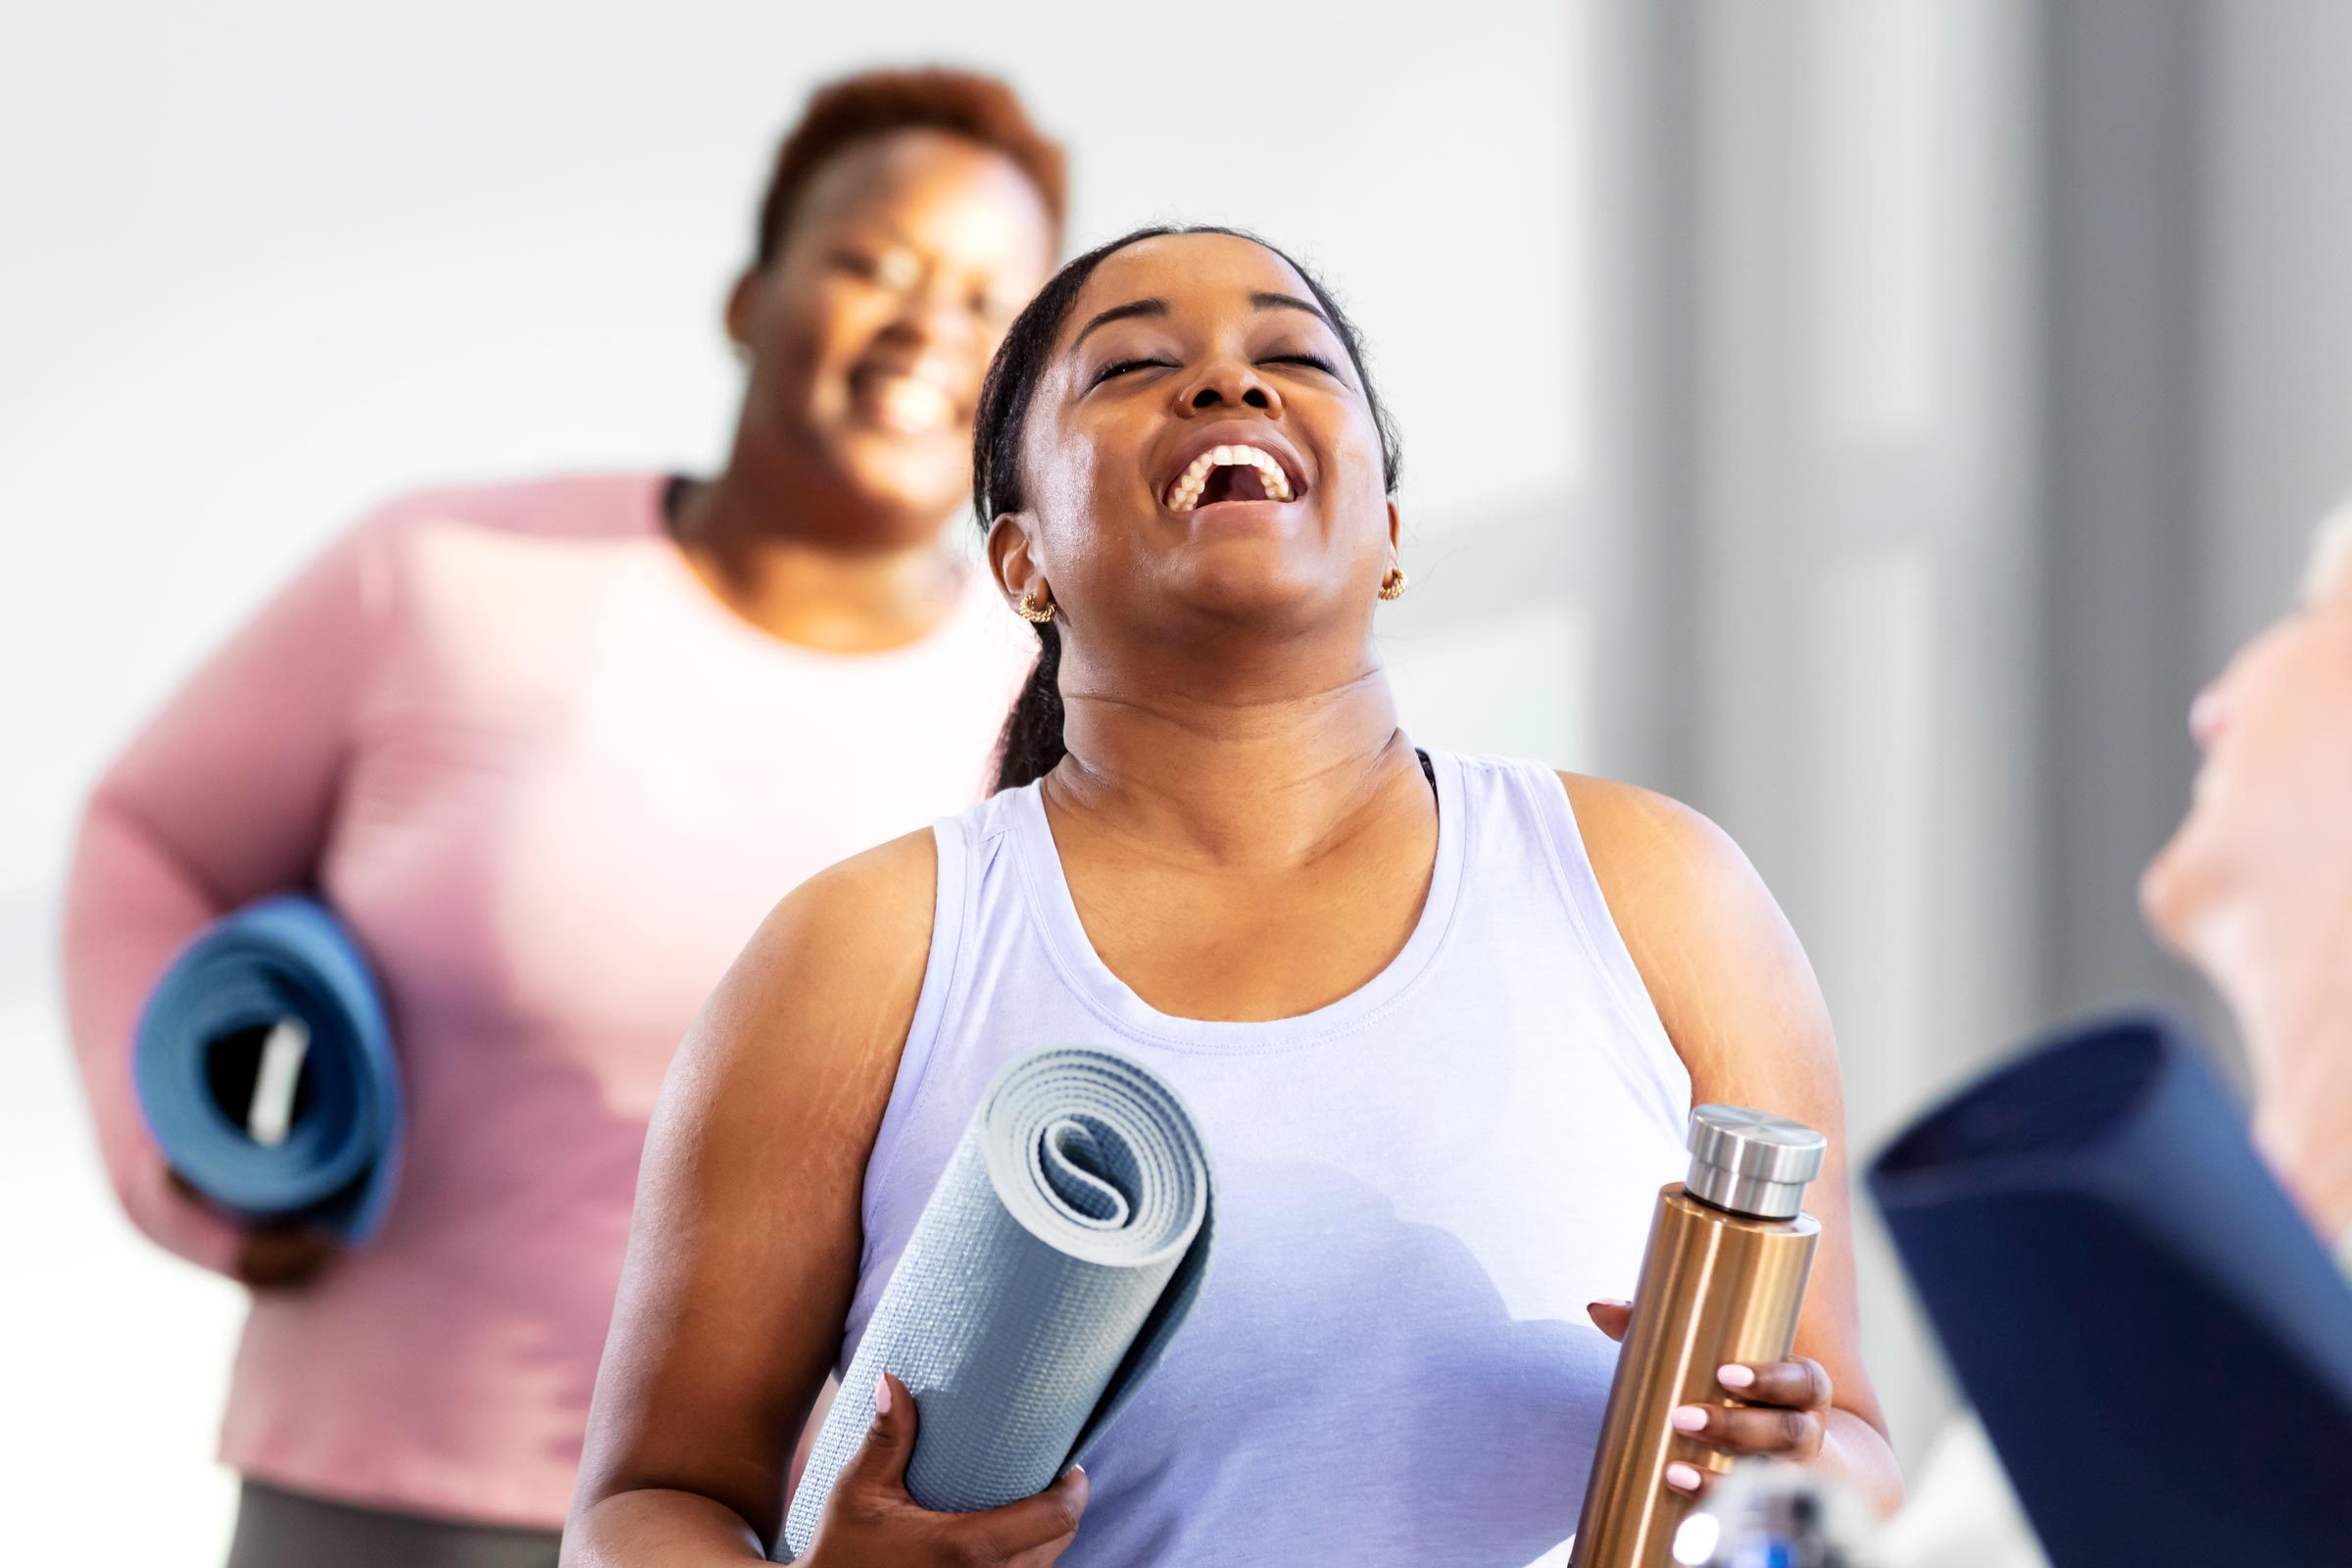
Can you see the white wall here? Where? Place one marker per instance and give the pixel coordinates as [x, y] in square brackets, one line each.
[267, 262]
[2274, 410]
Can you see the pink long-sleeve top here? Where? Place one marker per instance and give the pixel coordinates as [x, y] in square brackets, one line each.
[552, 785]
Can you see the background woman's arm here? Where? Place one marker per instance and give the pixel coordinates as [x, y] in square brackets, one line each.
[226, 796]
[1739, 999]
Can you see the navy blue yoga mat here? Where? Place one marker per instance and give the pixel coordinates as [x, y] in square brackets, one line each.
[2159, 1347]
[330, 1152]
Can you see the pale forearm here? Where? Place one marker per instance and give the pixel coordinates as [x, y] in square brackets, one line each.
[1858, 1453]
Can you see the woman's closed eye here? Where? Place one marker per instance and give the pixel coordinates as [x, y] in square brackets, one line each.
[1118, 367]
[996, 305]
[1312, 360]
[890, 268]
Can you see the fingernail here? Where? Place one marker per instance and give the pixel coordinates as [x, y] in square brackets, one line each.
[1735, 1377]
[1689, 1418]
[1613, 1301]
[1682, 1476]
[882, 1395]
[1077, 1470]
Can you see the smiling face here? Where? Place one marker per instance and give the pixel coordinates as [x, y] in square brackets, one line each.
[2266, 849]
[905, 259]
[1198, 455]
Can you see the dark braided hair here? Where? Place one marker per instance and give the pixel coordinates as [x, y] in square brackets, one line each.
[1031, 744]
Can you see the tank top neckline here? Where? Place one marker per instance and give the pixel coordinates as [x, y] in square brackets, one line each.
[1048, 892]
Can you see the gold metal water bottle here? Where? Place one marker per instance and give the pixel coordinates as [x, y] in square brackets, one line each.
[1722, 1280]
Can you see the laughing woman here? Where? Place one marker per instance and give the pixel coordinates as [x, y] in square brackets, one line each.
[549, 749]
[1441, 1018]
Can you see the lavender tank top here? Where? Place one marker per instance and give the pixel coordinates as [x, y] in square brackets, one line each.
[1420, 1186]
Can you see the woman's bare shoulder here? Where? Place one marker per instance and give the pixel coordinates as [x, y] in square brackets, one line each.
[825, 989]
[867, 914]
[1710, 942]
[1642, 843]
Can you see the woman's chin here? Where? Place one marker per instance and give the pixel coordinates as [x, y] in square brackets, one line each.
[925, 475]
[901, 510]
[1252, 584]
[2179, 887]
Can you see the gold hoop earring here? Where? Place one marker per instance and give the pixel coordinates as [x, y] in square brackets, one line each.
[1392, 587]
[1030, 611]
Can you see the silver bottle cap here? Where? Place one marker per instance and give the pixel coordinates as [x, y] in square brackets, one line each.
[1753, 1162]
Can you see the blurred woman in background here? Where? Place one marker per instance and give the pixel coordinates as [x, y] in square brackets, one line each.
[2253, 891]
[547, 750]
[1439, 1020]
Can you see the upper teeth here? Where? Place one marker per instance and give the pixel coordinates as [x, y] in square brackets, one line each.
[1185, 494]
[912, 405]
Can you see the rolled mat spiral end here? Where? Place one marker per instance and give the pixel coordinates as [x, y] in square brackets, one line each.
[1058, 1254]
[264, 1069]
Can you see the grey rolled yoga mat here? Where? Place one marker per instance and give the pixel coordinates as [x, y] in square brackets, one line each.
[1058, 1254]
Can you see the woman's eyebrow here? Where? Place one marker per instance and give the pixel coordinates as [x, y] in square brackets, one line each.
[1263, 300]
[1121, 313]
[1289, 302]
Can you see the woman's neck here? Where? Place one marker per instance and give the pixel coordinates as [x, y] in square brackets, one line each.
[739, 539]
[1237, 777]
[2294, 1006]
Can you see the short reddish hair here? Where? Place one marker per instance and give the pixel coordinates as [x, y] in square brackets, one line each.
[874, 103]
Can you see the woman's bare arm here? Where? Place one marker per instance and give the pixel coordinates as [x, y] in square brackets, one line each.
[1739, 999]
[744, 1251]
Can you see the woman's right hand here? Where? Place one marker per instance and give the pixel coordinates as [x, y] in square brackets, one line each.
[871, 1521]
[271, 1257]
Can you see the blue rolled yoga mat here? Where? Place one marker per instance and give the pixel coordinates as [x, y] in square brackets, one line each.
[1058, 1256]
[199, 1040]
[2158, 1345]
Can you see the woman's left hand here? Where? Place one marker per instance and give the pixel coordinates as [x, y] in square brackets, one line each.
[1784, 1407]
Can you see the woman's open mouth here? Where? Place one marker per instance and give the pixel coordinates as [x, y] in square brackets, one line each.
[901, 402]
[1234, 472]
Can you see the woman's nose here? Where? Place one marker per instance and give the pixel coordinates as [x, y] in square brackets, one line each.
[1225, 385]
[932, 309]
[2205, 715]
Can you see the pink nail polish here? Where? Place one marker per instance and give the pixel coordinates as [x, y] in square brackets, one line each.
[882, 1394]
[1735, 1377]
[1682, 1476]
[1689, 1418]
